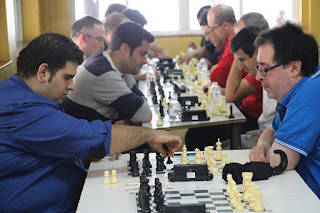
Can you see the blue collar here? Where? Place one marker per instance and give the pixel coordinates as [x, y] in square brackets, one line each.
[16, 79]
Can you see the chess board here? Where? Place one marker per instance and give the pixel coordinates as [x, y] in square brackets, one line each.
[215, 201]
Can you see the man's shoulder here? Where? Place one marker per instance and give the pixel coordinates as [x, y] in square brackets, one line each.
[97, 64]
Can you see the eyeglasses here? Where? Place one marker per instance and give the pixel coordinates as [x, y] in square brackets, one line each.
[99, 39]
[263, 71]
[214, 28]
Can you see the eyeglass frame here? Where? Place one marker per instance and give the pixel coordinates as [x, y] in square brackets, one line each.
[99, 39]
[212, 29]
[263, 71]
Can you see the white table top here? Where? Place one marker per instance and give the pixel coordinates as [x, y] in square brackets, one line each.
[285, 193]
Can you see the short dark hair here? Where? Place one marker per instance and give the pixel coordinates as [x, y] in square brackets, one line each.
[135, 16]
[51, 48]
[290, 43]
[82, 24]
[131, 34]
[118, 8]
[203, 17]
[245, 40]
[254, 19]
[207, 7]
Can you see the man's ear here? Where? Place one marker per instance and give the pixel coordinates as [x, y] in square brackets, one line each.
[43, 73]
[125, 49]
[83, 37]
[296, 68]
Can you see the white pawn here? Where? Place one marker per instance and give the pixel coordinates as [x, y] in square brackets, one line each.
[184, 148]
[184, 159]
[198, 159]
[159, 123]
[239, 207]
[106, 179]
[114, 178]
[164, 102]
[258, 202]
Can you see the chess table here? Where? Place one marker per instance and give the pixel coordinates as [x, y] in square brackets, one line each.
[285, 193]
[235, 123]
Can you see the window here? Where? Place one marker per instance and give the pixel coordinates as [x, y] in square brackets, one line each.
[178, 17]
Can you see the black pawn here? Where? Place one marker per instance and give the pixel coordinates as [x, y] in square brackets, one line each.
[231, 113]
[169, 96]
[169, 161]
[161, 109]
[135, 169]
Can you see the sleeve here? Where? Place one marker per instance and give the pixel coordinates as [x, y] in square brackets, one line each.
[50, 132]
[299, 131]
[221, 72]
[111, 89]
[210, 47]
[252, 80]
[213, 58]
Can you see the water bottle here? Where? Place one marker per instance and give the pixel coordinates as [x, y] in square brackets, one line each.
[205, 76]
[214, 92]
[201, 64]
[174, 111]
[151, 75]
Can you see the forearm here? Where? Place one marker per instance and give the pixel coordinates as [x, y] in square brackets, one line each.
[266, 138]
[128, 137]
[233, 83]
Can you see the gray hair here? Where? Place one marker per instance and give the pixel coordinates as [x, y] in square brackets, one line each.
[113, 21]
[255, 20]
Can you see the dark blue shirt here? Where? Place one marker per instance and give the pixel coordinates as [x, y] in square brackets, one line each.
[296, 127]
[40, 148]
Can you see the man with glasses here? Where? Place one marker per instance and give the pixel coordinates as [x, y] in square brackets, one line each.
[208, 49]
[221, 19]
[287, 63]
[88, 35]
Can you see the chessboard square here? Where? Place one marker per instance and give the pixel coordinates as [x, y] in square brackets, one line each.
[187, 194]
[200, 191]
[219, 205]
[217, 193]
[171, 192]
[219, 199]
[188, 201]
[173, 198]
[203, 196]
[210, 206]
[224, 210]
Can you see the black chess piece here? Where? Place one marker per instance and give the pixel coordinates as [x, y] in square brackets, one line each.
[161, 109]
[231, 112]
[135, 169]
[145, 203]
[169, 161]
[133, 157]
[169, 96]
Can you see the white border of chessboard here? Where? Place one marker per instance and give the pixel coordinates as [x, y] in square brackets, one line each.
[216, 201]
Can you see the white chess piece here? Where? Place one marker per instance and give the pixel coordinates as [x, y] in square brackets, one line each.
[219, 156]
[159, 123]
[114, 178]
[106, 179]
[258, 202]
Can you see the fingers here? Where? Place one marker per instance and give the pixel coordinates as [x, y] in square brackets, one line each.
[258, 153]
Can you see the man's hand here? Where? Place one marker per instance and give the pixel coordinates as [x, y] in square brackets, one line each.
[184, 58]
[260, 153]
[173, 142]
[193, 45]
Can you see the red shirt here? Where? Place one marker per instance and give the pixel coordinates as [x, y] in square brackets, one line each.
[221, 72]
[252, 104]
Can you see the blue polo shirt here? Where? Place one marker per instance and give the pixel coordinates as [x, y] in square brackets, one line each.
[40, 148]
[296, 127]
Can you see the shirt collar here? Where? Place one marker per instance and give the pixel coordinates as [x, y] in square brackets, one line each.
[16, 79]
[106, 54]
[284, 102]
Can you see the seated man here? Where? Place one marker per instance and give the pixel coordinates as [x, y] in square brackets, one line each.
[106, 89]
[208, 49]
[40, 145]
[88, 35]
[247, 90]
[287, 64]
